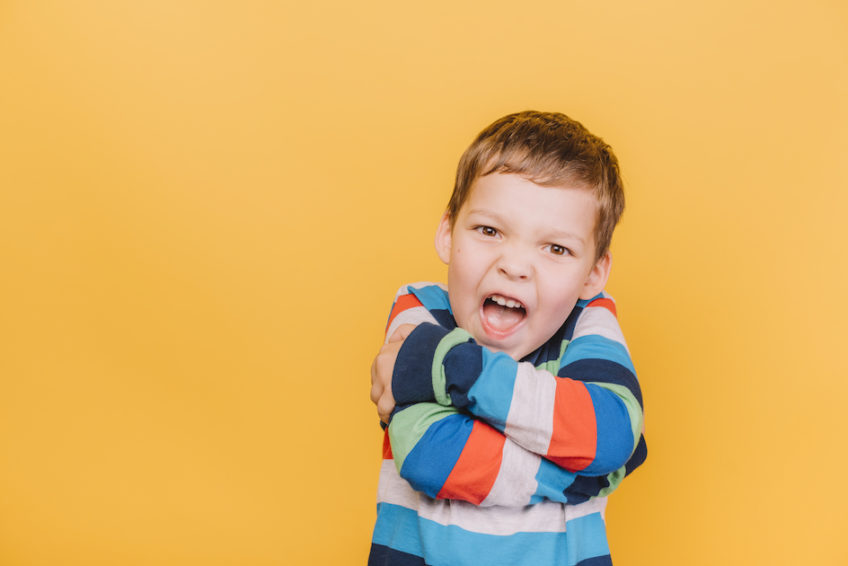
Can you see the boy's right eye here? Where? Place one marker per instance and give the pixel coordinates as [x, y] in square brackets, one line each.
[487, 231]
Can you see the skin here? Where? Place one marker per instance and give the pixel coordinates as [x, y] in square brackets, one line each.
[525, 243]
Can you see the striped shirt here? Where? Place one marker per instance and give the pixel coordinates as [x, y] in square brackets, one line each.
[492, 461]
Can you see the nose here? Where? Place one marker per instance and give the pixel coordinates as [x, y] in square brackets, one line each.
[513, 264]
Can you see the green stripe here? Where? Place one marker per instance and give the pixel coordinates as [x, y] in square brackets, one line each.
[551, 366]
[614, 479]
[562, 348]
[410, 424]
[453, 338]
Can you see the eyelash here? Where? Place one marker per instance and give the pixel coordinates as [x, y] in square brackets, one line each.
[487, 231]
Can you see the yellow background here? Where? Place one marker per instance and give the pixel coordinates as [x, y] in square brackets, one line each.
[206, 207]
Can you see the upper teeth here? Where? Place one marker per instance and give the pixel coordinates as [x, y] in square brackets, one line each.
[504, 302]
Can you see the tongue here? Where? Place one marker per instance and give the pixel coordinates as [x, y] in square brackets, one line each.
[501, 318]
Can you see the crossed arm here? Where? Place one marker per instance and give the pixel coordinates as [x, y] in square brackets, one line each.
[476, 425]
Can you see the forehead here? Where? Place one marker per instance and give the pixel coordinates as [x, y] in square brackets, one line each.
[515, 199]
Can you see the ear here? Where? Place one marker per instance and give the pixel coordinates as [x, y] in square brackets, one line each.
[597, 278]
[443, 239]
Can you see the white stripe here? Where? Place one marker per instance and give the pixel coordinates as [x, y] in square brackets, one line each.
[516, 482]
[543, 517]
[414, 316]
[394, 489]
[530, 421]
[600, 321]
[594, 505]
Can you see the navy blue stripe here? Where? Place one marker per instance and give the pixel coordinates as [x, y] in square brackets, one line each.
[602, 371]
[463, 365]
[571, 323]
[385, 556]
[596, 561]
[585, 487]
[412, 378]
[551, 349]
[638, 457]
[444, 317]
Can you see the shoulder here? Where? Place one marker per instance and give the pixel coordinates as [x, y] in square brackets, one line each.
[601, 300]
[429, 295]
[597, 316]
[419, 302]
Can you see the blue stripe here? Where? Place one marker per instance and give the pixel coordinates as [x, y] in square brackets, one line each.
[615, 438]
[491, 395]
[602, 371]
[449, 545]
[429, 464]
[432, 297]
[598, 347]
[552, 481]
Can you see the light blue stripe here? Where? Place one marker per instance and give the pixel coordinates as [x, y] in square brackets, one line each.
[397, 527]
[594, 346]
[552, 481]
[491, 394]
[448, 545]
[432, 297]
[591, 532]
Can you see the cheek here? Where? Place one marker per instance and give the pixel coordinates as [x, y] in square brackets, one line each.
[562, 300]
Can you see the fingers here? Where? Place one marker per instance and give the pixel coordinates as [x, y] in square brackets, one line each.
[385, 406]
[401, 332]
[381, 372]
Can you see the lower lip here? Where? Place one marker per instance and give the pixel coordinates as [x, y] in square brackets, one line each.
[495, 333]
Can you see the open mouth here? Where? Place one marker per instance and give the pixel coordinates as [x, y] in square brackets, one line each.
[501, 315]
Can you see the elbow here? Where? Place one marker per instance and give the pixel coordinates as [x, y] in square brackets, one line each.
[611, 454]
[617, 420]
[615, 439]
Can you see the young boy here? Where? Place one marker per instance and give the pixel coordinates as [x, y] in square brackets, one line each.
[512, 405]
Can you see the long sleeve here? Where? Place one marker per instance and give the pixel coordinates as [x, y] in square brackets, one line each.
[446, 453]
[587, 418]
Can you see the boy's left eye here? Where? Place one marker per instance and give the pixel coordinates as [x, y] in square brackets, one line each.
[556, 249]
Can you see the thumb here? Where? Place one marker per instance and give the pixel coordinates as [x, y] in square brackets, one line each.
[401, 332]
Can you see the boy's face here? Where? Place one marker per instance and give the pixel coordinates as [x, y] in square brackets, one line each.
[519, 256]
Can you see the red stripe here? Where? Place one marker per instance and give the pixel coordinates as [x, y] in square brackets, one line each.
[387, 446]
[608, 304]
[574, 436]
[475, 472]
[403, 303]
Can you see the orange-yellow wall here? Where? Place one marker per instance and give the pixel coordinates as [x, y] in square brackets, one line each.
[205, 208]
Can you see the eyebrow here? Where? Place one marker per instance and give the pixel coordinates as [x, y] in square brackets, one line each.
[567, 235]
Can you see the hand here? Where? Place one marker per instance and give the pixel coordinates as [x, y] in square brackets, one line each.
[382, 369]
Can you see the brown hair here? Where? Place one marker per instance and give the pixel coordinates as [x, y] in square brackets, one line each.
[549, 149]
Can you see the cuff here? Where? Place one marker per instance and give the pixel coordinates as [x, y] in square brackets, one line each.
[456, 341]
[412, 380]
